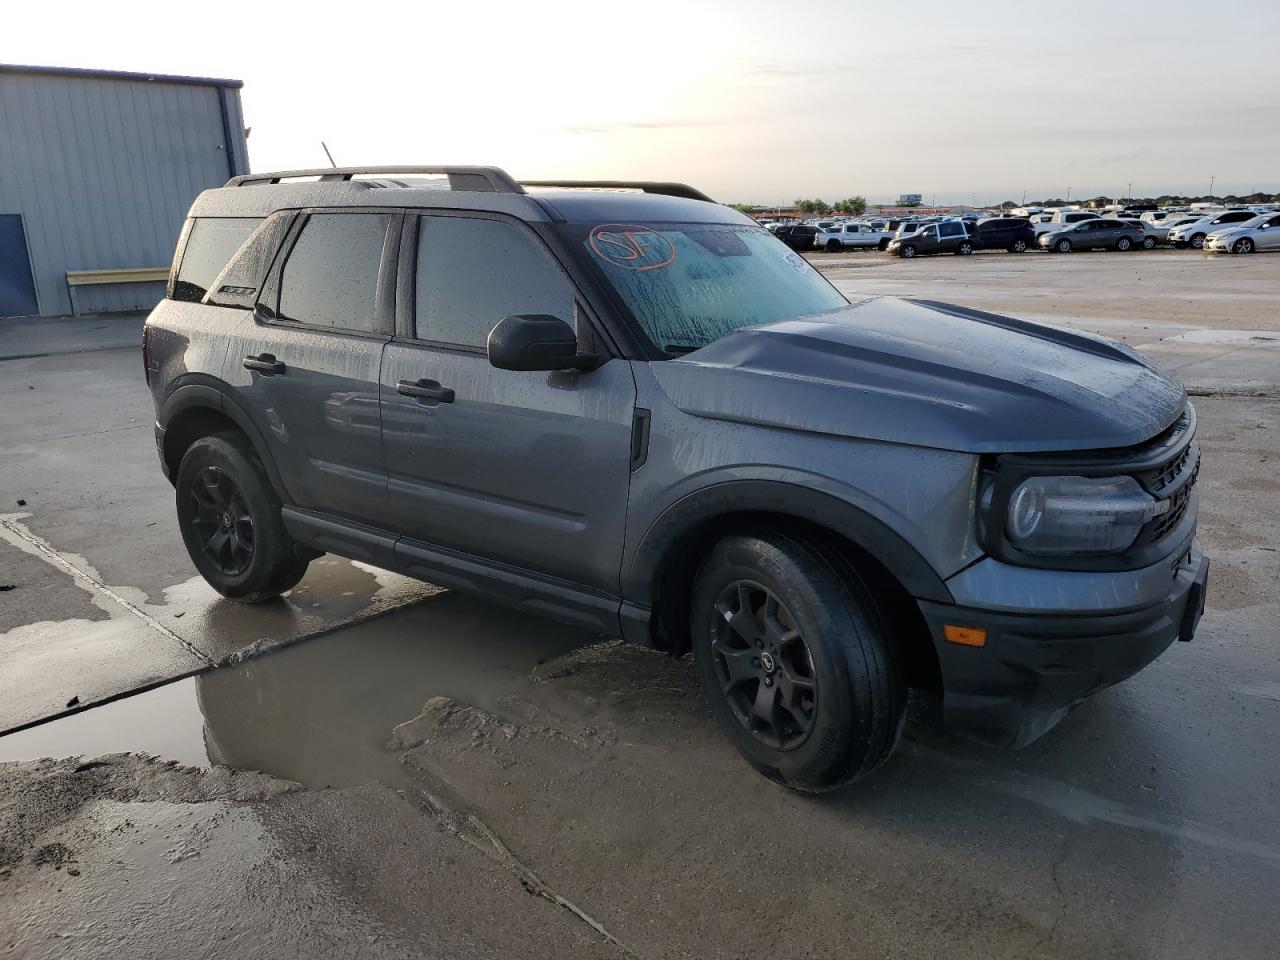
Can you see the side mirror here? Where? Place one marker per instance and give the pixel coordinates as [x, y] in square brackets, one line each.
[537, 342]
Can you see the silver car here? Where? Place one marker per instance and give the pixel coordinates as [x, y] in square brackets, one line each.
[1260, 233]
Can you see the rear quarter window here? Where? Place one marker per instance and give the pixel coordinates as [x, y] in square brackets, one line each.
[211, 243]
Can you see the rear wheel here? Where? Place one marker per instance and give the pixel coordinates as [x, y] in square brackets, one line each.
[1148, 243]
[908, 250]
[1018, 246]
[965, 248]
[795, 661]
[1197, 242]
[1063, 246]
[1243, 245]
[833, 246]
[230, 521]
[1123, 244]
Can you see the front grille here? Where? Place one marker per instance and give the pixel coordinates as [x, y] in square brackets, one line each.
[1178, 503]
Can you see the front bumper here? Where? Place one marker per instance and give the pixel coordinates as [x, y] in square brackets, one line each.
[1034, 667]
[1218, 244]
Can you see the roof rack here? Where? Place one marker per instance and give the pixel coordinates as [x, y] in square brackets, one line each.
[481, 179]
[478, 179]
[667, 189]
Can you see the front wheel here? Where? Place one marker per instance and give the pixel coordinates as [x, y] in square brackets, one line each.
[833, 246]
[1197, 242]
[908, 251]
[795, 661]
[965, 248]
[1063, 246]
[1123, 244]
[1243, 245]
[230, 521]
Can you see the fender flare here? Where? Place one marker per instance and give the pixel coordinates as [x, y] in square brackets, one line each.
[642, 574]
[209, 396]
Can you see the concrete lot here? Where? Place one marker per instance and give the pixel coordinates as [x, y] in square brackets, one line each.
[439, 776]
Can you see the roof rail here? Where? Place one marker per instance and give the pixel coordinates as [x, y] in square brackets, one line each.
[648, 186]
[479, 179]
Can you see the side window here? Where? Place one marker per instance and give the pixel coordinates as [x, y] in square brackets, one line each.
[472, 273]
[212, 242]
[951, 229]
[237, 285]
[331, 276]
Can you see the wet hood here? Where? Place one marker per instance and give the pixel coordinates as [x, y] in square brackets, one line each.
[928, 374]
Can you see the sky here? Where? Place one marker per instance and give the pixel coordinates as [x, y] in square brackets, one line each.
[751, 101]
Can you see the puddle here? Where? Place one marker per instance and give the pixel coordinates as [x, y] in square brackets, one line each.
[321, 711]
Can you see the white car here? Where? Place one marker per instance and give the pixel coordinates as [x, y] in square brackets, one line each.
[1160, 229]
[1260, 233]
[1192, 234]
[841, 236]
[1053, 223]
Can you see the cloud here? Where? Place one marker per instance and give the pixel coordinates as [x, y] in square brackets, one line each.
[599, 128]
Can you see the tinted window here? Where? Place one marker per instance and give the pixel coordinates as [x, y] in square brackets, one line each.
[237, 285]
[952, 229]
[1237, 217]
[211, 243]
[474, 273]
[331, 276]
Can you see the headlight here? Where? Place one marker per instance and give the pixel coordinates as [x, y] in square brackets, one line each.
[1065, 516]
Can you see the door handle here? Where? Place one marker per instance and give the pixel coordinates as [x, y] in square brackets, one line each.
[264, 363]
[425, 390]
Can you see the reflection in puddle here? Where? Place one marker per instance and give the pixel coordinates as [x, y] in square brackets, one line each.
[319, 712]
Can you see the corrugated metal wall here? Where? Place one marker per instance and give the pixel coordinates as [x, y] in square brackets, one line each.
[103, 171]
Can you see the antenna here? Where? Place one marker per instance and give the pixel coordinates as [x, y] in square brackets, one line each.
[328, 154]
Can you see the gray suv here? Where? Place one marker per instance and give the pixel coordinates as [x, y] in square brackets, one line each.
[635, 410]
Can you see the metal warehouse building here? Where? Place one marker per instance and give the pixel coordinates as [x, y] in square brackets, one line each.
[97, 170]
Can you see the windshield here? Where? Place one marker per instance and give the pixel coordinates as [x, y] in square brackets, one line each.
[689, 284]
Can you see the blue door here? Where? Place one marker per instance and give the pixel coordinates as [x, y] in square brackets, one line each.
[17, 289]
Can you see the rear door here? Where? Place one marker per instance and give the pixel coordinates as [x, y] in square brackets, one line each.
[1267, 236]
[528, 470]
[304, 363]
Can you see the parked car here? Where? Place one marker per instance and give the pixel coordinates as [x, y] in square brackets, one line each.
[1094, 234]
[1193, 234]
[1158, 230]
[636, 411]
[842, 236]
[1151, 234]
[949, 236]
[1008, 233]
[1260, 233]
[1056, 222]
[797, 236]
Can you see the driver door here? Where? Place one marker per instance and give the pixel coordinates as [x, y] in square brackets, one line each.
[527, 471]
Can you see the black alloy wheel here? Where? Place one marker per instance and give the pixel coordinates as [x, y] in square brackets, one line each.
[763, 665]
[222, 521]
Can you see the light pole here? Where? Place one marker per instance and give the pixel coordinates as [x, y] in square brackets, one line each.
[1068, 194]
[1130, 191]
[1211, 180]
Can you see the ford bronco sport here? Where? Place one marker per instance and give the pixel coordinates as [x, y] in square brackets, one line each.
[634, 409]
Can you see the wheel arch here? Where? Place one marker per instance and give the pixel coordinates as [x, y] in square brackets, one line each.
[197, 410]
[659, 578]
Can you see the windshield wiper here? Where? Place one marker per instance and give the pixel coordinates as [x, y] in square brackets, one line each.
[679, 348]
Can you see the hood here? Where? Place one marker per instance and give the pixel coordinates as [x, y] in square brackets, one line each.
[928, 374]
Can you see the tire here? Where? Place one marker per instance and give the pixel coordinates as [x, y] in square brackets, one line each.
[1243, 245]
[1123, 244]
[1063, 246]
[907, 251]
[833, 246]
[1197, 242]
[1148, 243]
[1018, 246]
[883, 245]
[230, 520]
[964, 249]
[838, 670]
